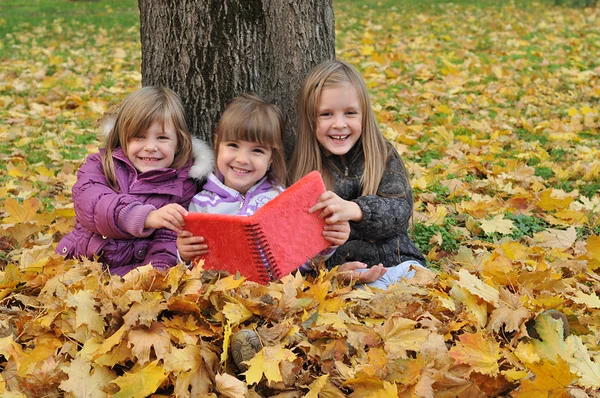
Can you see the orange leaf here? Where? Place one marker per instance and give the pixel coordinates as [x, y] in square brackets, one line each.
[479, 352]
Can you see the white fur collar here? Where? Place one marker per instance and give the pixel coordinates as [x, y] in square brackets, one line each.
[204, 161]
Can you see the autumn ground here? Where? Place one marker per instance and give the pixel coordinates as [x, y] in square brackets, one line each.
[495, 111]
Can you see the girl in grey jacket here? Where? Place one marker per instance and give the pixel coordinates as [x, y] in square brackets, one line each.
[368, 184]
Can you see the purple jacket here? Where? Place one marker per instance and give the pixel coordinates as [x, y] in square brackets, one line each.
[110, 225]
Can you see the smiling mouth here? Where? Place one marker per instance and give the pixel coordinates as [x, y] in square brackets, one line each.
[339, 137]
[150, 159]
[240, 171]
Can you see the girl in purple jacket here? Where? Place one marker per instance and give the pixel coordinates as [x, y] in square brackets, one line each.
[130, 198]
[250, 167]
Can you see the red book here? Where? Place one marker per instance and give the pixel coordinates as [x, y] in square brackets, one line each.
[273, 242]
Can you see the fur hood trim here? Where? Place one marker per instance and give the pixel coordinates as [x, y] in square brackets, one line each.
[204, 159]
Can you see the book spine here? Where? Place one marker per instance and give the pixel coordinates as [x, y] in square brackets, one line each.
[261, 252]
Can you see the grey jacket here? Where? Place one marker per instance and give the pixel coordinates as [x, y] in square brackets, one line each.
[382, 236]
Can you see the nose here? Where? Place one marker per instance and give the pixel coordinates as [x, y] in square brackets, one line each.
[242, 157]
[150, 145]
[340, 123]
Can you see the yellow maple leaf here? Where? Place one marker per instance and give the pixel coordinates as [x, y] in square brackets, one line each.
[45, 348]
[110, 342]
[581, 364]
[593, 251]
[21, 213]
[10, 349]
[182, 360]
[147, 311]
[142, 340]
[508, 317]
[141, 383]
[86, 313]
[85, 381]
[476, 286]
[551, 380]
[16, 171]
[552, 199]
[497, 224]
[229, 386]
[330, 319]
[526, 353]
[556, 238]
[399, 335]
[371, 386]
[236, 313]
[515, 250]
[228, 283]
[474, 305]
[551, 344]
[480, 353]
[590, 300]
[267, 362]
[316, 386]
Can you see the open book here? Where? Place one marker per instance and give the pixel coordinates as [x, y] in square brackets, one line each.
[273, 242]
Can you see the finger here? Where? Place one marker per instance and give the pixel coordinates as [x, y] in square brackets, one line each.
[180, 209]
[317, 207]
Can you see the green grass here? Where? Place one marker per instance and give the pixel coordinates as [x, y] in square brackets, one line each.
[18, 17]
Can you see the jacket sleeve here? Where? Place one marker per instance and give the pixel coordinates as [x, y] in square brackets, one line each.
[98, 206]
[162, 252]
[387, 213]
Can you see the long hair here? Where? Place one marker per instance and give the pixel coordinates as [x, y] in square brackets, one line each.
[249, 118]
[308, 155]
[137, 113]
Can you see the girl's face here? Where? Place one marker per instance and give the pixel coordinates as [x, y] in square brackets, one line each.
[243, 163]
[339, 119]
[153, 149]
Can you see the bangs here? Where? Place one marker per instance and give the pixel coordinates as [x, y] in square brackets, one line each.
[259, 127]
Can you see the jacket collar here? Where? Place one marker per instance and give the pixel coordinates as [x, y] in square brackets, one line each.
[215, 184]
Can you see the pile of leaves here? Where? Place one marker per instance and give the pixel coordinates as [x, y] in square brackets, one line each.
[72, 328]
[495, 112]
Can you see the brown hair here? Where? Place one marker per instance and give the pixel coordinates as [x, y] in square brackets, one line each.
[249, 118]
[308, 156]
[136, 114]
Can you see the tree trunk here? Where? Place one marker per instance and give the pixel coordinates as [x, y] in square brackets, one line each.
[209, 51]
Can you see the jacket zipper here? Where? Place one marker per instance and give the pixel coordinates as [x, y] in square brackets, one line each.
[242, 202]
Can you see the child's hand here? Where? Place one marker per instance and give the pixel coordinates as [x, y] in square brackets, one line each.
[336, 209]
[337, 233]
[190, 246]
[169, 216]
[348, 273]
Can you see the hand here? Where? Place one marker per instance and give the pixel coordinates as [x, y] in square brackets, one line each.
[169, 216]
[337, 233]
[336, 209]
[348, 273]
[190, 246]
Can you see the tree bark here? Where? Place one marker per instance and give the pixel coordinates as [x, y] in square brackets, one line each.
[209, 51]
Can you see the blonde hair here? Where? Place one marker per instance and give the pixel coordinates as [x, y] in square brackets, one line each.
[308, 155]
[249, 118]
[136, 114]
